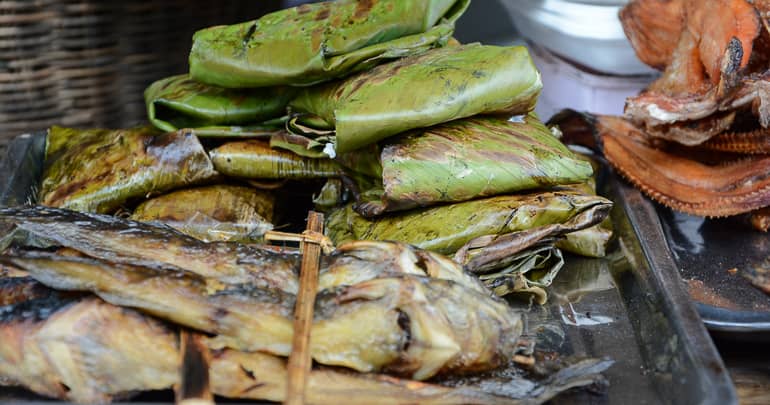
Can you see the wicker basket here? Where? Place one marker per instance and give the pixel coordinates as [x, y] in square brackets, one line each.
[86, 63]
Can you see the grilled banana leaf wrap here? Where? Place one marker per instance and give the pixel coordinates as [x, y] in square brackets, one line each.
[98, 170]
[179, 102]
[511, 242]
[255, 159]
[461, 160]
[446, 228]
[438, 86]
[317, 42]
[213, 213]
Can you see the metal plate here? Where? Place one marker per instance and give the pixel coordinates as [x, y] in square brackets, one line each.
[619, 307]
[711, 254]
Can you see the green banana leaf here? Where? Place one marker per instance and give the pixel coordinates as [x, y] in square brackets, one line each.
[317, 42]
[255, 159]
[462, 160]
[528, 275]
[332, 194]
[213, 213]
[180, 102]
[98, 170]
[591, 242]
[444, 229]
[420, 91]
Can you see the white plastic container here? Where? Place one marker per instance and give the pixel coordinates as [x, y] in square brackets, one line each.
[567, 86]
[587, 32]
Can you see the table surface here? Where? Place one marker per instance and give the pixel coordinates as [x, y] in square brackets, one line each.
[748, 364]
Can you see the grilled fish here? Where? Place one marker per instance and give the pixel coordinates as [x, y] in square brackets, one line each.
[86, 350]
[142, 244]
[407, 325]
[137, 243]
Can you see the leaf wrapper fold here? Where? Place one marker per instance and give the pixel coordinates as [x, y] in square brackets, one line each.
[98, 170]
[255, 159]
[213, 213]
[313, 43]
[462, 160]
[179, 102]
[444, 229]
[420, 91]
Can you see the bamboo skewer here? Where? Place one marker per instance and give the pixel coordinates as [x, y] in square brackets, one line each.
[194, 387]
[300, 360]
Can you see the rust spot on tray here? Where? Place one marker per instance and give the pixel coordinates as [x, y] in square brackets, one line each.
[700, 292]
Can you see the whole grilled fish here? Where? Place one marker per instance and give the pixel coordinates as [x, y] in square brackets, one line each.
[408, 325]
[88, 351]
[136, 243]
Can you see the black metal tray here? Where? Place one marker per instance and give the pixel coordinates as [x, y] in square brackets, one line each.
[620, 307]
[711, 254]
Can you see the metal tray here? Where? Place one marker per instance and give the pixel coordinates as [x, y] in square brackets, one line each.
[711, 254]
[620, 307]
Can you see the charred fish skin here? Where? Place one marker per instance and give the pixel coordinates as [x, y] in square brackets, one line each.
[136, 243]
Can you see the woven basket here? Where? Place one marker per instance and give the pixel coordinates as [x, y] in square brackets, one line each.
[86, 63]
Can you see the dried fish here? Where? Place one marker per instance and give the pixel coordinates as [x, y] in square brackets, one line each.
[317, 42]
[416, 92]
[98, 170]
[213, 213]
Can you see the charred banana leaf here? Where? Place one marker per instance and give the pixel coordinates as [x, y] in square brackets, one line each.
[317, 42]
[445, 229]
[406, 325]
[255, 159]
[98, 170]
[527, 274]
[438, 86]
[213, 213]
[466, 159]
[332, 194]
[178, 102]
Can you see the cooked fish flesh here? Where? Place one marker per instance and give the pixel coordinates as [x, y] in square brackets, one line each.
[84, 350]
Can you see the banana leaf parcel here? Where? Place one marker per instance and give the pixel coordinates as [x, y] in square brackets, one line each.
[463, 160]
[179, 102]
[213, 213]
[444, 229]
[98, 170]
[255, 159]
[416, 92]
[317, 42]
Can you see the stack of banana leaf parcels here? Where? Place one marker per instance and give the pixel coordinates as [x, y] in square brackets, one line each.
[442, 191]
